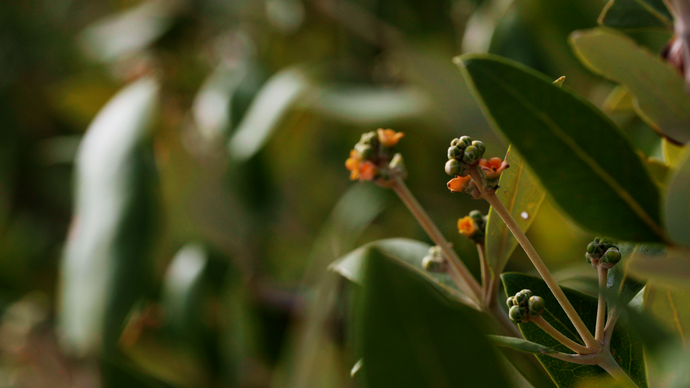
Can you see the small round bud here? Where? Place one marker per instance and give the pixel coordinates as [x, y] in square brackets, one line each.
[472, 155]
[454, 152]
[366, 151]
[480, 146]
[370, 138]
[455, 142]
[591, 247]
[597, 240]
[612, 256]
[434, 264]
[536, 305]
[522, 297]
[517, 314]
[477, 216]
[510, 302]
[465, 141]
[453, 167]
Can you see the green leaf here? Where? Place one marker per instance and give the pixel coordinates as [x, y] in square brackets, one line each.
[568, 144]
[636, 14]
[522, 195]
[412, 335]
[676, 204]
[658, 90]
[620, 280]
[672, 153]
[105, 262]
[266, 111]
[671, 267]
[409, 252]
[671, 308]
[520, 344]
[619, 100]
[627, 350]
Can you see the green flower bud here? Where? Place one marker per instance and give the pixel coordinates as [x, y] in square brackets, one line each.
[453, 167]
[517, 314]
[536, 305]
[370, 138]
[465, 141]
[612, 256]
[510, 302]
[435, 251]
[454, 152]
[588, 258]
[522, 297]
[397, 164]
[480, 146]
[366, 151]
[455, 142]
[591, 247]
[472, 155]
[464, 170]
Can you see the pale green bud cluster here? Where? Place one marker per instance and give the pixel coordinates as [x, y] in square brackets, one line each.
[434, 261]
[524, 305]
[603, 252]
[463, 153]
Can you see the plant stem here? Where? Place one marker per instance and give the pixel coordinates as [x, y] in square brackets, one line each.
[486, 273]
[558, 336]
[459, 272]
[601, 308]
[538, 263]
[610, 365]
[610, 324]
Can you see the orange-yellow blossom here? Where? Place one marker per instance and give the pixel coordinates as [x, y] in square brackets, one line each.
[493, 167]
[352, 163]
[389, 137]
[459, 183]
[466, 226]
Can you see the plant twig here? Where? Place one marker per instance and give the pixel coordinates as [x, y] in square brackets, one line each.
[538, 263]
[459, 272]
[486, 274]
[601, 308]
[610, 365]
[610, 324]
[558, 336]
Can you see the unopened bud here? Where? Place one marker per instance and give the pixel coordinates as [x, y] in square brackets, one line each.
[366, 151]
[454, 152]
[434, 264]
[472, 155]
[453, 167]
[536, 305]
[612, 256]
[480, 146]
[465, 141]
[510, 302]
[517, 314]
[370, 138]
[522, 297]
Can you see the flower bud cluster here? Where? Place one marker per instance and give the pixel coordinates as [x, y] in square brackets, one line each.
[462, 154]
[473, 226]
[373, 159]
[524, 306]
[434, 261]
[602, 252]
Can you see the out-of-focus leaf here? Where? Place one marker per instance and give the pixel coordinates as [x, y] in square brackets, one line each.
[211, 106]
[481, 26]
[658, 170]
[672, 153]
[105, 260]
[272, 102]
[371, 106]
[636, 14]
[412, 335]
[619, 100]
[676, 204]
[671, 308]
[285, 15]
[658, 90]
[671, 267]
[520, 344]
[118, 372]
[627, 350]
[130, 31]
[522, 195]
[620, 280]
[566, 141]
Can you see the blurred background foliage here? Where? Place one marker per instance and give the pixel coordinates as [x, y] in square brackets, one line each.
[222, 278]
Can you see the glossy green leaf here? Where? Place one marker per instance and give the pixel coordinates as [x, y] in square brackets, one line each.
[658, 89]
[627, 350]
[676, 204]
[568, 145]
[266, 111]
[520, 344]
[522, 195]
[636, 14]
[412, 335]
[105, 259]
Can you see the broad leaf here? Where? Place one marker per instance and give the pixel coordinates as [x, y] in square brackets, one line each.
[266, 111]
[106, 256]
[520, 344]
[412, 335]
[676, 204]
[671, 308]
[627, 350]
[658, 89]
[636, 14]
[522, 195]
[568, 144]
[671, 267]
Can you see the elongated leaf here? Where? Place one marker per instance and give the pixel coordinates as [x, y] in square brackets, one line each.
[658, 89]
[520, 344]
[671, 267]
[636, 14]
[627, 350]
[567, 143]
[671, 308]
[105, 260]
[677, 206]
[522, 195]
[270, 105]
[412, 335]
[409, 252]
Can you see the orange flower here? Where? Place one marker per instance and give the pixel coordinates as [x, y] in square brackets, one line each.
[493, 167]
[466, 226]
[352, 164]
[368, 171]
[459, 183]
[389, 137]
